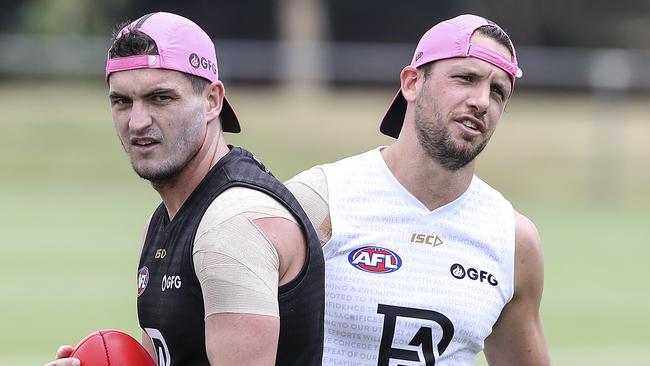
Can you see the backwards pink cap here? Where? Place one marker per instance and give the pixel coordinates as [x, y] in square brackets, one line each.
[448, 39]
[182, 46]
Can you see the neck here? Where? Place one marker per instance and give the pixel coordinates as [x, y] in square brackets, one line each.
[429, 182]
[175, 191]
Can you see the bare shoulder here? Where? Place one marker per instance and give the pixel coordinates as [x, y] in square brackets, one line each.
[518, 336]
[526, 233]
[289, 242]
[529, 261]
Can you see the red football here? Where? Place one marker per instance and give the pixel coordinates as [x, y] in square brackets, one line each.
[109, 347]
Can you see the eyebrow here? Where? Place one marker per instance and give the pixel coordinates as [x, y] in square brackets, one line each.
[498, 82]
[157, 91]
[116, 95]
[160, 91]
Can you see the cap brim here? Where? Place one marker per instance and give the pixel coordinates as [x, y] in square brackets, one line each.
[391, 125]
[229, 120]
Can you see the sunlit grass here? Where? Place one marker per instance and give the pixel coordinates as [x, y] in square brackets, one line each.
[72, 211]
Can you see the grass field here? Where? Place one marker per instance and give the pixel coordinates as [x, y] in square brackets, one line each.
[72, 211]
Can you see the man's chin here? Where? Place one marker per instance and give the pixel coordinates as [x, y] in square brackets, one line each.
[152, 175]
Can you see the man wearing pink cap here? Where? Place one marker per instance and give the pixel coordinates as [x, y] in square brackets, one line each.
[231, 270]
[424, 262]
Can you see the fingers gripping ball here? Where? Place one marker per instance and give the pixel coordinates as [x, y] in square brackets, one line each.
[109, 347]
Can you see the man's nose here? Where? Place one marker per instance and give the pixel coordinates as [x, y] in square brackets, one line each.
[479, 99]
[140, 117]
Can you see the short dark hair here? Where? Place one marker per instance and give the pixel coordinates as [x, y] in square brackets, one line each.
[497, 34]
[133, 42]
[490, 31]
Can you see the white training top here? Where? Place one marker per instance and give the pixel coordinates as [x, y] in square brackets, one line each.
[405, 285]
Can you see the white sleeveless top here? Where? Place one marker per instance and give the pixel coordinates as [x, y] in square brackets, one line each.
[409, 286]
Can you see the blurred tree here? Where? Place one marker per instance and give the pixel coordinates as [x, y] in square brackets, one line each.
[10, 15]
[594, 23]
[70, 16]
[558, 23]
[241, 19]
[387, 21]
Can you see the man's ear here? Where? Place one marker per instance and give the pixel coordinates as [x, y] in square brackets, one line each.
[409, 82]
[214, 100]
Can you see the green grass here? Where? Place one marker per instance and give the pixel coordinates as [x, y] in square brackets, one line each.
[72, 212]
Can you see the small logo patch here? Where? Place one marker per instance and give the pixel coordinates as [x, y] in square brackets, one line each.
[418, 55]
[459, 272]
[375, 259]
[170, 282]
[143, 279]
[197, 61]
[161, 253]
[433, 240]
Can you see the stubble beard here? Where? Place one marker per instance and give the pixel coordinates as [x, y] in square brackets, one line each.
[182, 150]
[434, 137]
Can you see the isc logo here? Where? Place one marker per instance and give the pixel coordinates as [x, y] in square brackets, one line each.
[375, 259]
[161, 253]
[426, 239]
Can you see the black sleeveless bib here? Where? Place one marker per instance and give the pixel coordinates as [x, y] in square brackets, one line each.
[170, 303]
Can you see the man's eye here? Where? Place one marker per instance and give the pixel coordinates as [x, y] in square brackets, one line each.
[464, 77]
[498, 91]
[119, 101]
[161, 98]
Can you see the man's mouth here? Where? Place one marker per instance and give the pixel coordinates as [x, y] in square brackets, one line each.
[470, 124]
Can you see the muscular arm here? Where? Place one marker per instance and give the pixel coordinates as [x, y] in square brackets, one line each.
[252, 339]
[241, 339]
[518, 336]
[241, 258]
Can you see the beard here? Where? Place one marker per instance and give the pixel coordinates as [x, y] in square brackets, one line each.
[166, 170]
[435, 139]
[180, 152]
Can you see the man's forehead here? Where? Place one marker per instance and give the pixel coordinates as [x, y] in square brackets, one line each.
[146, 79]
[474, 65]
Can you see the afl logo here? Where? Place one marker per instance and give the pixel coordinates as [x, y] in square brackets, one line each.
[375, 260]
[143, 279]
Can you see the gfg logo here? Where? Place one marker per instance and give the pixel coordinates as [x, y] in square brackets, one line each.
[459, 272]
[169, 282]
[196, 61]
[375, 260]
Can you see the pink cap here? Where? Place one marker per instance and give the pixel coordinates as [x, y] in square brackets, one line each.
[448, 39]
[182, 46]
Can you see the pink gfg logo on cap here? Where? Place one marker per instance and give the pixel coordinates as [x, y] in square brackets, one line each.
[196, 61]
